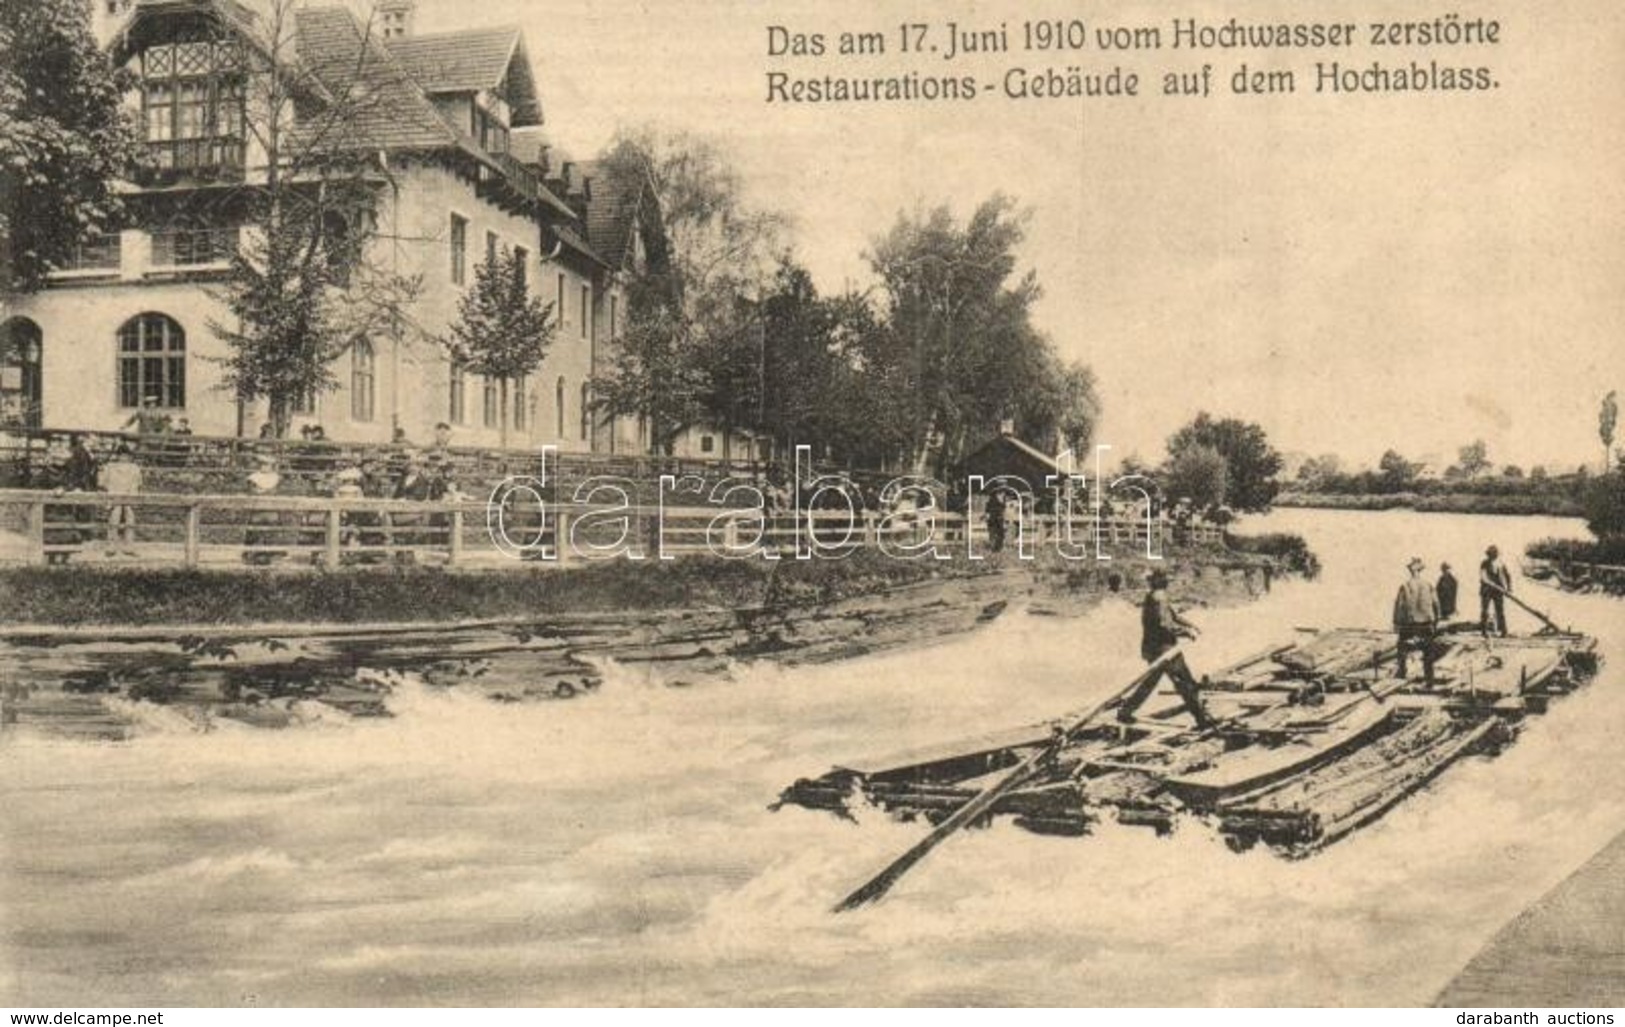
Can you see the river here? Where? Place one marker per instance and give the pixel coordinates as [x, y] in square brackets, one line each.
[618, 849]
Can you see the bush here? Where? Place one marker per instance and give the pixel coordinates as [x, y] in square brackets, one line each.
[1290, 549]
[1610, 550]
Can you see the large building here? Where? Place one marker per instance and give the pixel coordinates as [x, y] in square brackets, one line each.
[450, 129]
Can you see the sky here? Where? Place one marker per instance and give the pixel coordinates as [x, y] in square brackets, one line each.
[1355, 273]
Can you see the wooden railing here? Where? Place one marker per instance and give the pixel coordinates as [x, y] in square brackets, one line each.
[33, 457]
[192, 531]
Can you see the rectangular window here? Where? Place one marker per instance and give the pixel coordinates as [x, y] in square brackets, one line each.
[455, 412]
[558, 304]
[459, 250]
[493, 416]
[613, 304]
[523, 256]
[490, 247]
[707, 444]
[586, 309]
[304, 403]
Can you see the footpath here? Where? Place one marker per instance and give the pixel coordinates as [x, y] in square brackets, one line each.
[1568, 949]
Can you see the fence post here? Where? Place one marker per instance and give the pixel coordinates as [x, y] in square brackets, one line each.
[334, 536]
[36, 533]
[454, 552]
[194, 527]
[561, 538]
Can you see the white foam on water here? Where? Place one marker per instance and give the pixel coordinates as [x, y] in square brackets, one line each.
[618, 848]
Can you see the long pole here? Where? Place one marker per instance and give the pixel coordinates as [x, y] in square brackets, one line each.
[877, 886]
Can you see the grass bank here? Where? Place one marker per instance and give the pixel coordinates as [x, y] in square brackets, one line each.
[88, 595]
[1525, 505]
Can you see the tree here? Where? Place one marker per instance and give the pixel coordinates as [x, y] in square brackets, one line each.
[1198, 473]
[64, 140]
[1604, 503]
[301, 289]
[501, 331]
[692, 328]
[1394, 472]
[1251, 463]
[960, 315]
[1473, 459]
[1512, 472]
[1318, 469]
[1607, 418]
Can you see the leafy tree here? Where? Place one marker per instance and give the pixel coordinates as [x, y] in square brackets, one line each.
[1473, 459]
[1318, 469]
[1604, 503]
[64, 140]
[1251, 463]
[1394, 472]
[301, 288]
[692, 333]
[502, 331]
[969, 356]
[1198, 473]
[1607, 418]
[1512, 472]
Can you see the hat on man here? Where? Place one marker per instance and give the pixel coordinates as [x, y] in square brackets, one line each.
[1416, 564]
[1159, 579]
[1492, 551]
[1444, 566]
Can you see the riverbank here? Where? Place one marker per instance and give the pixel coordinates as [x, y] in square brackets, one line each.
[87, 596]
[1567, 949]
[279, 650]
[1508, 504]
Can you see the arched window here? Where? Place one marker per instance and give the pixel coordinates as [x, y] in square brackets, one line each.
[363, 381]
[559, 395]
[152, 362]
[20, 358]
[455, 404]
[586, 411]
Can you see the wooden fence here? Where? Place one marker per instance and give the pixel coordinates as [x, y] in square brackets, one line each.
[32, 458]
[193, 531]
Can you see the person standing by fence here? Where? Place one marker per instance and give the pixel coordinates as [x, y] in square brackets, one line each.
[121, 476]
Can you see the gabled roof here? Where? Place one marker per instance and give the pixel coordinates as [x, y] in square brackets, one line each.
[613, 214]
[390, 111]
[471, 60]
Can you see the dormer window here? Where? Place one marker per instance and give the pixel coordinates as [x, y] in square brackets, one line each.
[192, 105]
[491, 119]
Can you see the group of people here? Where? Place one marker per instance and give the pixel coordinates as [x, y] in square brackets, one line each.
[410, 475]
[81, 471]
[1421, 606]
[1419, 609]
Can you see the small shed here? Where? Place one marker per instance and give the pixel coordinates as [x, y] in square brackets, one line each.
[1007, 456]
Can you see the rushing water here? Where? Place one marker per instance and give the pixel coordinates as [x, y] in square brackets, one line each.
[618, 849]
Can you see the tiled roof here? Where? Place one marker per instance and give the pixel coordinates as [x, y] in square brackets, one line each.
[471, 60]
[391, 112]
[612, 216]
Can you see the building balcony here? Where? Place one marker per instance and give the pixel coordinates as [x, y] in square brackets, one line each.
[194, 248]
[99, 257]
[221, 159]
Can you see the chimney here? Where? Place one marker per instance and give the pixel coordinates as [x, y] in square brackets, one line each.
[396, 17]
[1007, 426]
[107, 17]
